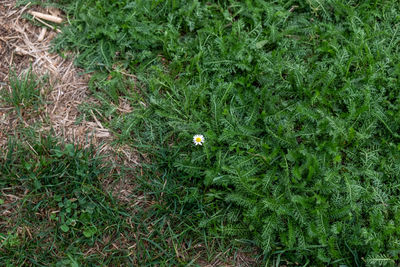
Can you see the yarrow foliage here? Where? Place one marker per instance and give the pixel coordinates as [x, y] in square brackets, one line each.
[299, 103]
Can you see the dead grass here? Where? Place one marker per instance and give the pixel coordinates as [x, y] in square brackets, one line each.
[24, 46]
[9, 210]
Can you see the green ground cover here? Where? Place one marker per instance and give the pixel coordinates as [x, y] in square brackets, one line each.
[299, 105]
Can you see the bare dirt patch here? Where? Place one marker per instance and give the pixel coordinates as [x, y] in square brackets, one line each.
[24, 46]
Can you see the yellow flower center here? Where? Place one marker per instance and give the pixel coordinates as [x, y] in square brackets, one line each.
[198, 139]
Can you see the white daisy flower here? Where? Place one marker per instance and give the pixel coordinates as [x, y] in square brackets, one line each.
[198, 139]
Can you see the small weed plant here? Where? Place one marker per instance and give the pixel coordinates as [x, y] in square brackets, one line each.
[298, 103]
[24, 90]
[55, 208]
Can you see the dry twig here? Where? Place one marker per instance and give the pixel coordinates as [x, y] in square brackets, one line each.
[46, 17]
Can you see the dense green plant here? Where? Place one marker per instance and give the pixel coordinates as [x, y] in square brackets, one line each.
[297, 100]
